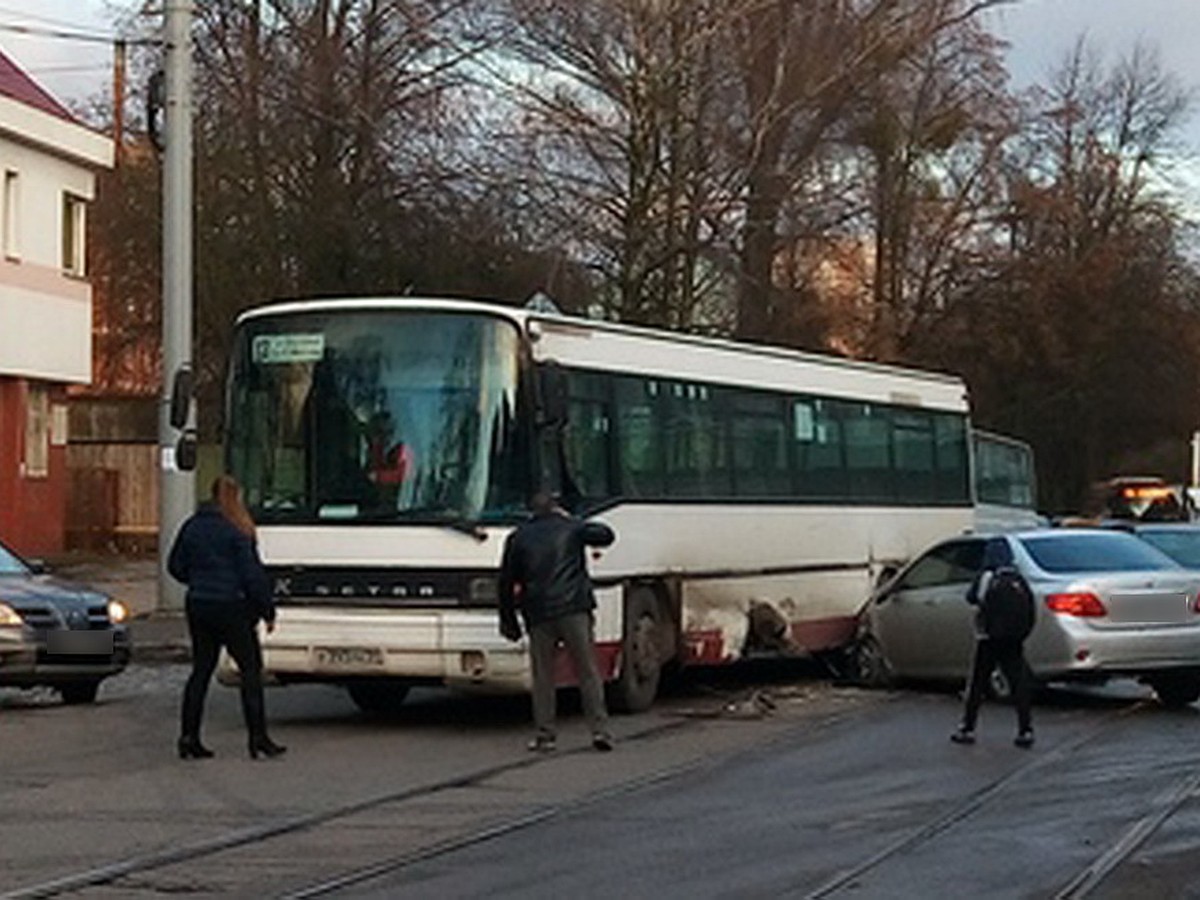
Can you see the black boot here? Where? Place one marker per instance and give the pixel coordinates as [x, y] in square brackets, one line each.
[267, 747]
[191, 748]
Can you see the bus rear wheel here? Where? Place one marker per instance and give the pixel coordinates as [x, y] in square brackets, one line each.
[378, 698]
[641, 662]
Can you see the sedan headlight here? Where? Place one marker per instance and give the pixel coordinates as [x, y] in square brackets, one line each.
[8, 615]
[118, 612]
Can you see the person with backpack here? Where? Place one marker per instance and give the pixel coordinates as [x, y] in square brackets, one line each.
[1004, 618]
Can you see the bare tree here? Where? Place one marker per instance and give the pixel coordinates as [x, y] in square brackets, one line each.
[619, 145]
[805, 64]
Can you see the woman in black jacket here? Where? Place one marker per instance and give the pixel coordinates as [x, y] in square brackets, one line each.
[228, 591]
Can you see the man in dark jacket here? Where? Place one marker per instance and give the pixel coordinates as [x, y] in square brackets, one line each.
[544, 573]
[1004, 618]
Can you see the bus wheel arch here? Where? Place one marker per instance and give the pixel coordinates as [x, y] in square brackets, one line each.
[646, 646]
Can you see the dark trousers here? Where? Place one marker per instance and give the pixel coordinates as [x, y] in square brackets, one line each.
[1010, 657]
[575, 631]
[213, 626]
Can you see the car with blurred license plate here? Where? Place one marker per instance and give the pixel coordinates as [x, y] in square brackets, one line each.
[56, 634]
[1108, 604]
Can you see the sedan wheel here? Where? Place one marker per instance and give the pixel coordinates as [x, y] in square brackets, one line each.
[1176, 689]
[999, 687]
[871, 664]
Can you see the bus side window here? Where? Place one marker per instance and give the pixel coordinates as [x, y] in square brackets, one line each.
[694, 443]
[913, 442]
[587, 436]
[639, 436]
[869, 452]
[950, 440]
[759, 433]
[819, 450]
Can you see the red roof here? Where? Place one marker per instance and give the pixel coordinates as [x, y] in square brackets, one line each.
[16, 84]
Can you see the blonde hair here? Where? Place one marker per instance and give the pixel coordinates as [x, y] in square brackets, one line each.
[227, 494]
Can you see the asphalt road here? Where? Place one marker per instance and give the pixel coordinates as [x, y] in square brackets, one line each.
[824, 791]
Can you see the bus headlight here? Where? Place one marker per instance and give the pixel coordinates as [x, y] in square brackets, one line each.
[118, 612]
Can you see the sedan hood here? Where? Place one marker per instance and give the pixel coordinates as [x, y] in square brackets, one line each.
[25, 592]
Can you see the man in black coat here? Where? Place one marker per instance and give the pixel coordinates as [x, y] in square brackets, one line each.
[544, 574]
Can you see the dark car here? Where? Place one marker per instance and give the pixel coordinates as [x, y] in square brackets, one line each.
[55, 634]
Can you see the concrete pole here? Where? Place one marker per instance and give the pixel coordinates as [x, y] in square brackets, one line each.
[177, 494]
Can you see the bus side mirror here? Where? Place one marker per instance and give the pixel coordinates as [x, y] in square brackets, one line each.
[552, 394]
[181, 397]
[185, 451]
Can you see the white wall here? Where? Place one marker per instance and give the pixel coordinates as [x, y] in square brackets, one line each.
[45, 315]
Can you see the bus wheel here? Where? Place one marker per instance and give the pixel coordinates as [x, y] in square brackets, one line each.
[641, 665]
[377, 698]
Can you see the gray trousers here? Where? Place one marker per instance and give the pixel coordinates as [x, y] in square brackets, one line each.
[576, 634]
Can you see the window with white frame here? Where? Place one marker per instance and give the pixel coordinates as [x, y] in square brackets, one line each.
[73, 224]
[37, 432]
[12, 214]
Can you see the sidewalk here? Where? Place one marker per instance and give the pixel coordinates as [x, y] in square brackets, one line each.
[158, 636]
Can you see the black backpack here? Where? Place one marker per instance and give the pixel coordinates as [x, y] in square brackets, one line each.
[1006, 607]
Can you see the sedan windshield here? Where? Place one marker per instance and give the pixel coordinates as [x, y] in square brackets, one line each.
[1182, 545]
[1094, 552]
[377, 415]
[10, 565]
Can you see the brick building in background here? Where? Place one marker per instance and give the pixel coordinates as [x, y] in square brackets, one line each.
[48, 164]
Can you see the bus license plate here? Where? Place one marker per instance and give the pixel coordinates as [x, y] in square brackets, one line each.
[79, 643]
[348, 657]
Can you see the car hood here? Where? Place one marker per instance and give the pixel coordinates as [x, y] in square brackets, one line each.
[25, 592]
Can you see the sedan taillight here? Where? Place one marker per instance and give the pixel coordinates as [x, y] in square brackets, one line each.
[1083, 604]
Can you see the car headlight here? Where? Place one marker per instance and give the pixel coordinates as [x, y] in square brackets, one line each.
[8, 615]
[118, 612]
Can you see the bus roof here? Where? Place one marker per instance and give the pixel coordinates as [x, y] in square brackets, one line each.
[572, 339]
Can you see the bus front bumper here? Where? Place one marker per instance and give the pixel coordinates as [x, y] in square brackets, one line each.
[458, 648]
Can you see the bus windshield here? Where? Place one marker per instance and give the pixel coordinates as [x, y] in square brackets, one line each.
[376, 415]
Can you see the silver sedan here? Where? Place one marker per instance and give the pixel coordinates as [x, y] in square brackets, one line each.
[1108, 604]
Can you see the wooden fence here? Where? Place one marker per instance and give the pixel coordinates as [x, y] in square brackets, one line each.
[113, 500]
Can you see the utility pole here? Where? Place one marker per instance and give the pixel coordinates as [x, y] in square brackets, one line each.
[119, 58]
[177, 414]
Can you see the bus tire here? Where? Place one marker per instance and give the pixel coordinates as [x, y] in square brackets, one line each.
[377, 698]
[641, 661]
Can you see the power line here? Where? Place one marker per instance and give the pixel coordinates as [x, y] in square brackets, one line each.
[85, 36]
[35, 17]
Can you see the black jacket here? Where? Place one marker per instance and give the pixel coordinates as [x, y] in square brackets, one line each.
[220, 565]
[544, 572]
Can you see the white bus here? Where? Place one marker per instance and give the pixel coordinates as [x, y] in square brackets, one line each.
[388, 446]
[1005, 483]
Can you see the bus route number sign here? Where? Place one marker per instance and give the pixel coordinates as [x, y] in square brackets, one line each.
[279, 349]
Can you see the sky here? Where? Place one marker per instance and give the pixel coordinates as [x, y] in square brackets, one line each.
[1040, 33]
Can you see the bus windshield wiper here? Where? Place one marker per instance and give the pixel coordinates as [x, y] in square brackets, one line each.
[449, 518]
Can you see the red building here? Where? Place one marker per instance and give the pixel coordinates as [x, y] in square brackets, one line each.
[48, 163]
